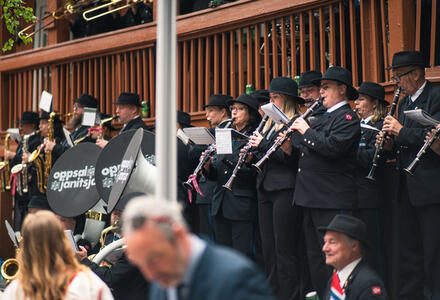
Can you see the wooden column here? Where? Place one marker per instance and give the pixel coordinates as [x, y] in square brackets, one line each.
[58, 31]
[401, 21]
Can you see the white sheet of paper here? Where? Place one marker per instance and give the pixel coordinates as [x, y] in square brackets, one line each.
[199, 135]
[421, 117]
[67, 136]
[46, 101]
[14, 133]
[223, 140]
[11, 233]
[89, 116]
[369, 127]
[71, 239]
[182, 136]
[275, 113]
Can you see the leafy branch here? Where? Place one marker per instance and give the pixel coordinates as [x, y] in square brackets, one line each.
[13, 12]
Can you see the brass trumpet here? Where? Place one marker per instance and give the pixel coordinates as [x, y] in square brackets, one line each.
[112, 2]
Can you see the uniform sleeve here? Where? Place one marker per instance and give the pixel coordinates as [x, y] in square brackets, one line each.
[344, 133]
[373, 291]
[365, 153]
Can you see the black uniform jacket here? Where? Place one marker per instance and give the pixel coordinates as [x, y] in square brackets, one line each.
[326, 165]
[125, 280]
[422, 187]
[240, 203]
[370, 193]
[279, 171]
[362, 284]
[33, 142]
[184, 168]
[135, 124]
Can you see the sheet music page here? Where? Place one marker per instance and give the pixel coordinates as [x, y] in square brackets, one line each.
[71, 239]
[46, 101]
[11, 233]
[369, 127]
[421, 117]
[89, 117]
[275, 113]
[199, 135]
[68, 138]
[223, 140]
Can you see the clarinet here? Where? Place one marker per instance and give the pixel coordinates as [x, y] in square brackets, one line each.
[413, 165]
[208, 153]
[378, 152]
[289, 132]
[243, 155]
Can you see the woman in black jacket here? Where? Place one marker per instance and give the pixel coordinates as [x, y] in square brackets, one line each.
[279, 221]
[371, 107]
[235, 211]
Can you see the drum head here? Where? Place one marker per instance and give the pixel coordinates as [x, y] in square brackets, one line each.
[71, 189]
[108, 163]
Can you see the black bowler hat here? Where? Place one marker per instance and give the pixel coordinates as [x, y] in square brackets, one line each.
[285, 86]
[45, 116]
[309, 78]
[87, 101]
[218, 100]
[247, 100]
[40, 202]
[408, 58]
[183, 118]
[122, 203]
[349, 225]
[128, 98]
[29, 117]
[343, 76]
[374, 90]
[262, 96]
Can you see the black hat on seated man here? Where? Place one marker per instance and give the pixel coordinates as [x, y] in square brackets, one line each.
[285, 86]
[122, 203]
[128, 98]
[374, 90]
[218, 100]
[29, 117]
[183, 118]
[262, 96]
[45, 116]
[87, 101]
[349, 225]
[343, 76]
[408, 58]
[40, 202]
[309, 78]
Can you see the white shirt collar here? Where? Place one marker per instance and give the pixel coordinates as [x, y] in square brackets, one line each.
[336, 106]
[418, 92]
[346, 271]
[368, 119]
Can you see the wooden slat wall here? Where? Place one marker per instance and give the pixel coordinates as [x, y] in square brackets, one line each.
[225, 61]
[427, 34]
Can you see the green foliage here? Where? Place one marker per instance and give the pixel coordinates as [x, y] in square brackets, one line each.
[12, 12]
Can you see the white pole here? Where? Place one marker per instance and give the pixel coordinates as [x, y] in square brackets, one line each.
[166, 143]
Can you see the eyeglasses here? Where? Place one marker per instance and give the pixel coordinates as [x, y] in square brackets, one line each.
[238, 108]
[397, 77]
[77, 107]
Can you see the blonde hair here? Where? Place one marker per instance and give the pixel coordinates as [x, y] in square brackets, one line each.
[380, 111]
[46, 258]
[290, 109]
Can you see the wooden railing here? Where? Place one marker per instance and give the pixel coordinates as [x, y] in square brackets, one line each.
[219, 51]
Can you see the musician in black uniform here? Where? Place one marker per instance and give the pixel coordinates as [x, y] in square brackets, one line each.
[263, 97]
[235, 211]
[128, 109]
[371, 107]
[280, 226]
[345, 242]
[309, 86]
[124, 279]
[418, 195]
[79, 131]
[325, 183]
[28, 126]
[219, 116]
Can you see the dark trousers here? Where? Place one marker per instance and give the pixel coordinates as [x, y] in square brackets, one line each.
[20, 210]
[419, 249]
[372, 217]
[205, 222]
[280, 226]
[234, 233]
[314, 218]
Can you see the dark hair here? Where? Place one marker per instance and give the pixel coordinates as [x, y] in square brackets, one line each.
[254, 117]
[58, 131]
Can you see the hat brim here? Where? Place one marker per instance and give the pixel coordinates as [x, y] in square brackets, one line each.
[138, 105]
[221, 106]
[407, 65]
[375, 97]
[295, 97]
[315, 82]
[363, 240]
[231, 102]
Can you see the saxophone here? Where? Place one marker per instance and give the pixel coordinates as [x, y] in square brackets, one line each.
[5, 168]
[48, 153]
[24, 174]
